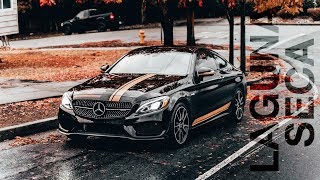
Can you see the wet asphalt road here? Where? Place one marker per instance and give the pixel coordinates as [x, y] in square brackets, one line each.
[101, 158]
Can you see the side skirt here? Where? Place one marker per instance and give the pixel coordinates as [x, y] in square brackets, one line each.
[208, 121]
[212, 115]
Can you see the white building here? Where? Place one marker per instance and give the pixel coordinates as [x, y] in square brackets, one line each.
[8, 17]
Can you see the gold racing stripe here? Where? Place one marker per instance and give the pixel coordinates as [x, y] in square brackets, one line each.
[211, 114]
[116, 96]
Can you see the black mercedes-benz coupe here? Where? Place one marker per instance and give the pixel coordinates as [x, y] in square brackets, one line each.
[155, 93]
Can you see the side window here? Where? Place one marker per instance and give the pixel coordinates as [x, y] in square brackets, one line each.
[222, 64]
[86, 14]
[93, 12]
[205, 59]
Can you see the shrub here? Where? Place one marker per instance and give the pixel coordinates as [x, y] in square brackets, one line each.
[314, 13]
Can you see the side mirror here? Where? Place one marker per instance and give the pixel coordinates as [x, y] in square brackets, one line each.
[76, 18]
[205, 71]
[104, 68]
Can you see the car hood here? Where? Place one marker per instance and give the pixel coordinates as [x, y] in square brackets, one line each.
[68, 21]
[127, 87]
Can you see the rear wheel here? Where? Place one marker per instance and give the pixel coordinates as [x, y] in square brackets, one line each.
[237, 106]
[179, 125]
[102, 27]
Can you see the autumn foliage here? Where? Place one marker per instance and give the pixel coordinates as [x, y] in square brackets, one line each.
[53, 2]
[293, 7]
[47, 3]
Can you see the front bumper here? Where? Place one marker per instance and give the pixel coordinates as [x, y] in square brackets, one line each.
[148, 127]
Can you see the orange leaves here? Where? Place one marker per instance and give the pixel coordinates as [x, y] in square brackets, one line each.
[183, 3]
[113, 1]
[292, 7]
[55, 65]
[105, 1]
[47, 3]
[52, 138]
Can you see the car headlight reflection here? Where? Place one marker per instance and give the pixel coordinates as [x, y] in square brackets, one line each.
[66, 101]
[153, 105]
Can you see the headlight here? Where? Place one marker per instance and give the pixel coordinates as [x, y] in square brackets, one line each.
[153, 105]
[66, 100]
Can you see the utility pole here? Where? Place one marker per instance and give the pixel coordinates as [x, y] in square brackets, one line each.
[243, 37]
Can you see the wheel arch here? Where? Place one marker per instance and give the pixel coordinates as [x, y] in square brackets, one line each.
[181, 97]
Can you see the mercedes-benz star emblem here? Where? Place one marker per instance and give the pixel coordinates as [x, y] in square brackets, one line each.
[99, 109]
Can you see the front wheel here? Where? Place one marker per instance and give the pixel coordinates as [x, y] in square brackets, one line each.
[67, 30]
[102, 27]
[237, 106]
[179, 126]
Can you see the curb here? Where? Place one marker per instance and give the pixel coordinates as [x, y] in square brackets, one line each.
[29, 128]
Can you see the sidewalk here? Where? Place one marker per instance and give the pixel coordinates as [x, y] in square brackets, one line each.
[16, 91]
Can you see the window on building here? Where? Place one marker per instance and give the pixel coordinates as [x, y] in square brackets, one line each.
[5, 4]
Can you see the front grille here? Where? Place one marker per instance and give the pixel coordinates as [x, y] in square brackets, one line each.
[113, 110]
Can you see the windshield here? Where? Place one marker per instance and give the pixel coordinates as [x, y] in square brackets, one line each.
[81, 15]
[164, 63]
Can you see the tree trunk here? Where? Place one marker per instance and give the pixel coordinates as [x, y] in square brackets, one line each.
[243, 37]
[143, 11]
[190, 27]
[167, 26]
[166, 23]
[231, 36]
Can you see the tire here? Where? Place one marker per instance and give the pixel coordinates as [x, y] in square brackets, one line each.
[77, 138]
[237, 106]
[67, 30]
[102, 27]
[179, 126]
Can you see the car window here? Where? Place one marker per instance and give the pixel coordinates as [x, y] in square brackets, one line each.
[82, 14]
[94, 12]
[205, 59]
[222, 64]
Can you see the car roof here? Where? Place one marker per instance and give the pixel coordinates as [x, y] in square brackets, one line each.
[159, 49]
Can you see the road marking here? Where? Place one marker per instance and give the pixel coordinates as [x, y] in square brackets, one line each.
[238, 153]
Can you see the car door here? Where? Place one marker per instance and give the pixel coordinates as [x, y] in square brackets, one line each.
[92, 19]
[86, 21]
[228, 78]
[207, 90]
[80, 21]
